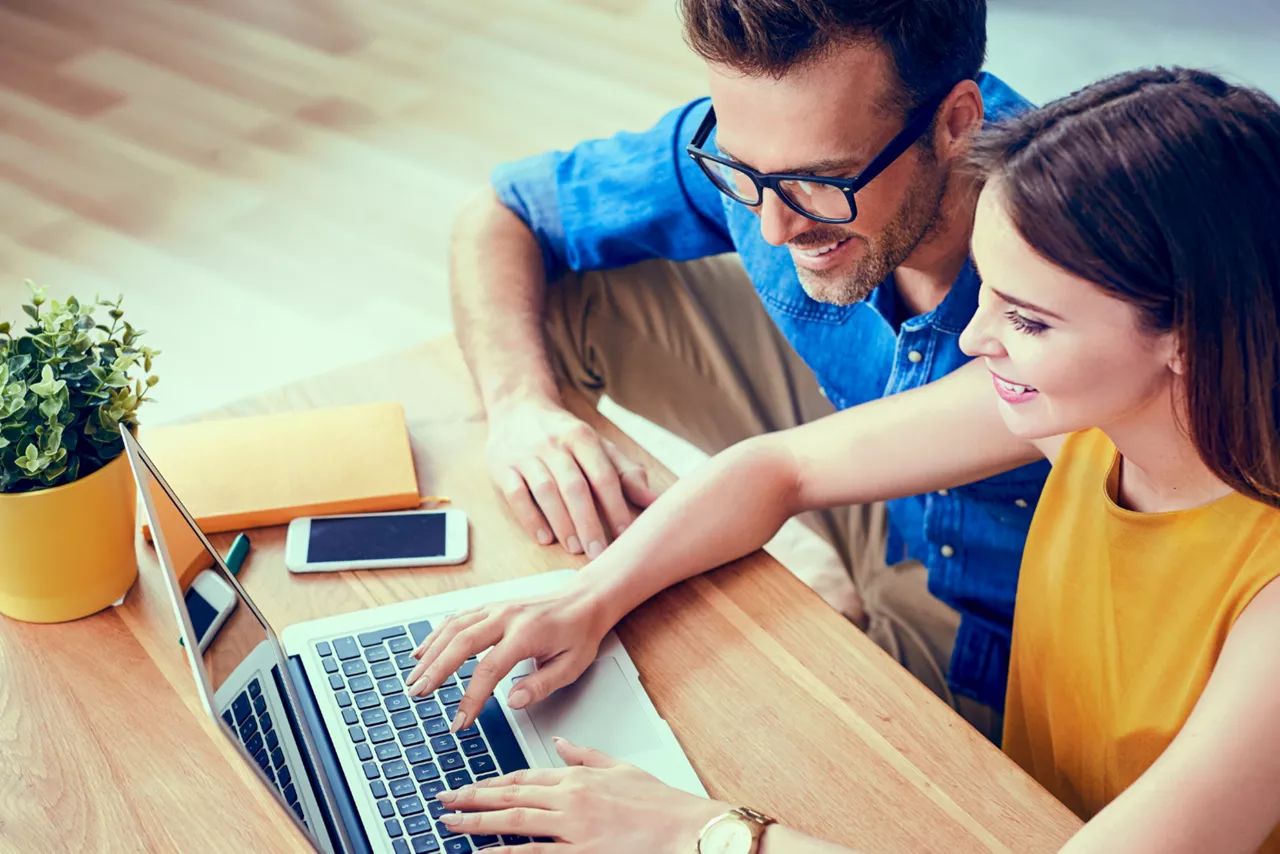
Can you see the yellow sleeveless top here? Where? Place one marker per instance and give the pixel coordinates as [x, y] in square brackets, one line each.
[1120, 618]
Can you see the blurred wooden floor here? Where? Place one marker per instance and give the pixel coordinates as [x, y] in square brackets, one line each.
[271, 182]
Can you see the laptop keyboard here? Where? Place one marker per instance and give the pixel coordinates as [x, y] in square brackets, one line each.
[407, 753]
[249, 718]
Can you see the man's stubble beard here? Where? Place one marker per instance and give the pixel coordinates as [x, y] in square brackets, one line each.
[915, 222]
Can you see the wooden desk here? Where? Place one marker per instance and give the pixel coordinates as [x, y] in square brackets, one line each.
[779, 702]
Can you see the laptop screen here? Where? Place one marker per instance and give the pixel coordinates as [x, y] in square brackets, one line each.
[237, 665]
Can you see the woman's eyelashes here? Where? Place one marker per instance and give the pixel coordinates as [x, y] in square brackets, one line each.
[1025, 324]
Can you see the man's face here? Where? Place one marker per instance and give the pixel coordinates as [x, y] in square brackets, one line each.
[830, 117]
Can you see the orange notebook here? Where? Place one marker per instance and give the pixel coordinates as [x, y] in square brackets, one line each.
[267, 470]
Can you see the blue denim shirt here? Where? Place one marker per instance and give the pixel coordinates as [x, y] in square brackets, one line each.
[635, 196]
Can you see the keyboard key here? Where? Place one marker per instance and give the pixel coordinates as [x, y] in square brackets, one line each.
[260, 704]
[483, 841]
[297, 810]
[375, 654]
[367, 700]
[417, 755]
[452, 762]
[226, 716]
[388, 751]
[378, 788]
[375, 638]
[382, 733]
[502, 741]
[426, 772]
[458, 779]
[335, 682]
[393, 828]
[403, 788]
[411, 737]
[356, 733]
[516, 840]
[265, 722]
[436, 809]
[360, 683]
[395, 769]
[323, 648]
[470, 732]
[418, 824]
[255, 690]
[430, 790]
[452, 696]
[248, 728]
[400, 846]
[389, 686]
[349, 716]
[263, 760]
[405, 661]
[354, 667]
[457, 846]
[397, 703]
[425, 845]
[386, 809]
[409, 806]
[436, 726]
[285, 775]
[364, 752]
[383, 670]
[446, 833]
[419, 630]
[400, 720]
[468, 668]
[254, 744]
[400, 645]
[474, 747]
[485, 776]
[483, 765]
[429, 709]
[443, 744]
[346, 648]
[271, 774]
[277, 757]
[241, 708]
[343, 698]
[373, 717]
[290, 794]
[451, 712]
[370, 770]
[331, 665]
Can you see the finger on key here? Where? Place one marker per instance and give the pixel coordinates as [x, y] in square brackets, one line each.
[489, 672]
[447, 633]
[430, 639]
[465, 644]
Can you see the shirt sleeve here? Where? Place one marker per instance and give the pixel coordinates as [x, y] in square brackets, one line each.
[608, 203]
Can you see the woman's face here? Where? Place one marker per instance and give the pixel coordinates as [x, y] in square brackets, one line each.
[1063, 354]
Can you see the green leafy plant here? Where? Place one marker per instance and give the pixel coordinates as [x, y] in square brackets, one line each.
[66, 388]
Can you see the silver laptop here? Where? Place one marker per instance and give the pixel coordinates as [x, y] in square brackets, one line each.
[321, 715]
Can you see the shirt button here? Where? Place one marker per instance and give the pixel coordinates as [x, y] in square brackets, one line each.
[947, 551]
[943, 492]
[1021, 502]
[914, 356]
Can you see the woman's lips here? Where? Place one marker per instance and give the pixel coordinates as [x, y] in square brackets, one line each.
[1011, 392]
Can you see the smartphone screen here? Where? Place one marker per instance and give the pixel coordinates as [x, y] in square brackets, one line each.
[201, 612]
[406, 535]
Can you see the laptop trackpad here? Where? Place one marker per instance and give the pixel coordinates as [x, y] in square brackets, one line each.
[600, 711]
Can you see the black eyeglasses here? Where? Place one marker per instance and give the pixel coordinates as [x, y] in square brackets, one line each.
[818, 198]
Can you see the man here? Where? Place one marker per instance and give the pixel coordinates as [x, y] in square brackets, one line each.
[831, 164]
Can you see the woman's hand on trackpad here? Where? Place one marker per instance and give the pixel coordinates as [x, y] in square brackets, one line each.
[561, 632]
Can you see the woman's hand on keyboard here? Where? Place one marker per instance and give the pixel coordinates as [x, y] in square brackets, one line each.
[561, 632]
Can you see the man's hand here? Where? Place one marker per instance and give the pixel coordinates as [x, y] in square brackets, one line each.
[558, 474]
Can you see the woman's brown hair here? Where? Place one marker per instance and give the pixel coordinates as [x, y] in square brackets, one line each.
[1162, 186]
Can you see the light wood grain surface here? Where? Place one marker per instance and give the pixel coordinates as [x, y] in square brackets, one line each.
[778, 701]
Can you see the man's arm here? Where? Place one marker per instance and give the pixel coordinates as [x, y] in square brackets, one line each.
[1217, 786]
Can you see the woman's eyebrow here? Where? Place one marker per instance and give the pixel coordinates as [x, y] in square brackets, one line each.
[1029, 306]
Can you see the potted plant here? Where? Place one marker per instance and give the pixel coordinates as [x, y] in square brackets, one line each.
[67, 496]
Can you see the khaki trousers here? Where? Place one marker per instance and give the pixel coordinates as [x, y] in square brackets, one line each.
[690, 347]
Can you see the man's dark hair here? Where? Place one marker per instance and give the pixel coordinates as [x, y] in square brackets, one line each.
[934, 44]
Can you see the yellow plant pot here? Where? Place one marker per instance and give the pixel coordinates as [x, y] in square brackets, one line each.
[68, 552]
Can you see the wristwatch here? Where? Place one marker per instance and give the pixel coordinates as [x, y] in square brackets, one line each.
[736, 832]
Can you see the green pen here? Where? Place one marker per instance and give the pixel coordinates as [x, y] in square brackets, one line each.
[234, 560]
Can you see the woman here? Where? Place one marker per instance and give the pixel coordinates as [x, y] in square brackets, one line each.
[1130, 324]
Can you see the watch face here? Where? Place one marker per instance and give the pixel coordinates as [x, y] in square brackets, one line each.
[731, 836]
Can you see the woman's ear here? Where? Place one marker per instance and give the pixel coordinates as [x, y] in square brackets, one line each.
[1176, 361]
